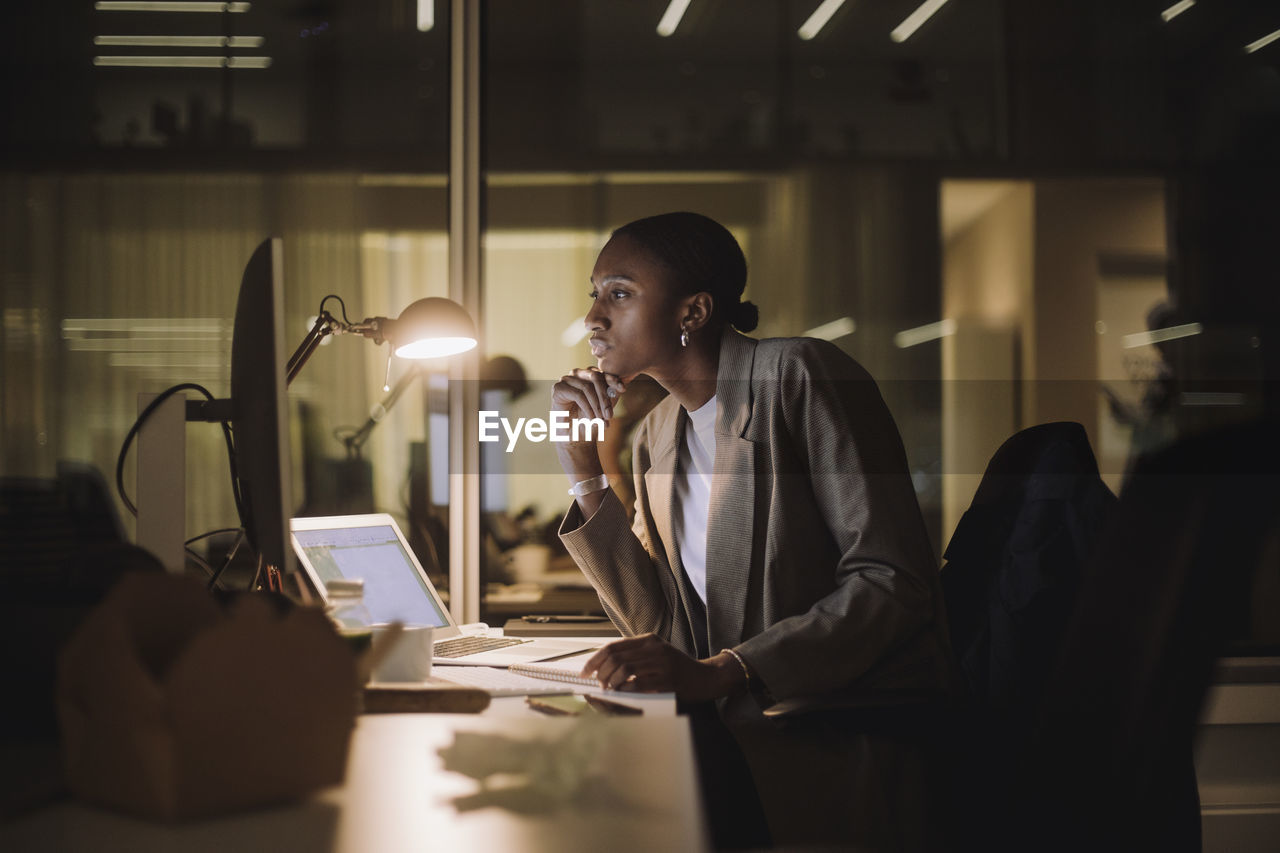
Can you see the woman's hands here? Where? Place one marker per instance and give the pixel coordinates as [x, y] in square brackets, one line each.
[648, 664]
[585, 393]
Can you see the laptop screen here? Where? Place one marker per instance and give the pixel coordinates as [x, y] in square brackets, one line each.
[393, 588]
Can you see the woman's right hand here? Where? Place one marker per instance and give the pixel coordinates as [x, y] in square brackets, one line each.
[585, 393]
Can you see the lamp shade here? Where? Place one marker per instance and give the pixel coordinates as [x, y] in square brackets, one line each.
[432, 328]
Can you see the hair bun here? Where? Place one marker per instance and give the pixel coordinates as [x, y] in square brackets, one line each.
[744, 316]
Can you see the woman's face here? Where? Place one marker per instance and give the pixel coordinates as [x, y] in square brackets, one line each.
[634, 319]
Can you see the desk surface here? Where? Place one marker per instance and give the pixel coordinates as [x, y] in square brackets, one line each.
[641, 795]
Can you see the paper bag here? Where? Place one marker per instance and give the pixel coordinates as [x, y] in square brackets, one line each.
[171, 707]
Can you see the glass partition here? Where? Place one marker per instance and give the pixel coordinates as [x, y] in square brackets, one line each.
[147, 153]
[993, 207]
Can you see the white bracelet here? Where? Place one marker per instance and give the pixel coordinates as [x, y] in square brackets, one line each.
[586, 487]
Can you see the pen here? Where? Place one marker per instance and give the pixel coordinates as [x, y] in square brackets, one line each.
[543, 620]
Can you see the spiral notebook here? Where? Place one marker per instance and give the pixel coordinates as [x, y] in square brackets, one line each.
[566, 670]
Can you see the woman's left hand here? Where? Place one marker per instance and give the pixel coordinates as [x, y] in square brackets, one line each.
[649, 664]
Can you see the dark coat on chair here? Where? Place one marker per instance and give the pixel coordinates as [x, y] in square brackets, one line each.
[1013, 564]
[1011, 577]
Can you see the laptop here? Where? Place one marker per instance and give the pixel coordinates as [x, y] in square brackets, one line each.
[371, 547]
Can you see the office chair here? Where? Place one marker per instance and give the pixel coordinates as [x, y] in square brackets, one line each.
[1010, 583]
[1013, 563]
[1110, 761]
[62, 547]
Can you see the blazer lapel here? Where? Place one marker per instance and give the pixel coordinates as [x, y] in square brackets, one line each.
[731, 529]
[660, 480]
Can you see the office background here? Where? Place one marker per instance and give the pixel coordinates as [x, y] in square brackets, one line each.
[1020, 211]
[984, 212]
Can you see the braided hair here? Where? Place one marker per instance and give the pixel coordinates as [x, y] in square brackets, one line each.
[701, 255]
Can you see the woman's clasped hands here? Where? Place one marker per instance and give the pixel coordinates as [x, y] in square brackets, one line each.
[588, 393]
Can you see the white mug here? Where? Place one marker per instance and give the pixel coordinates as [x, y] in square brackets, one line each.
[529, 562]
[409, 660]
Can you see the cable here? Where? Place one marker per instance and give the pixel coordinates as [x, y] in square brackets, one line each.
[192, 555]
[235, 472]
[340, 302]
[142, 418]
[257, 574]
[213, 581]
[235, 546]
[137, 424]
[214, 533]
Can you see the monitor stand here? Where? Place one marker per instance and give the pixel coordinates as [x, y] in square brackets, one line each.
[162, 481]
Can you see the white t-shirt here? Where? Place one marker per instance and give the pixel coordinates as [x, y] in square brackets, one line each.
[693, 492]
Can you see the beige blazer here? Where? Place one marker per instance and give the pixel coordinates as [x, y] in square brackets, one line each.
[819, 569]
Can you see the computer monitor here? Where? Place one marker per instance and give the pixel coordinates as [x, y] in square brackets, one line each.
[259, 407]
[258, 410]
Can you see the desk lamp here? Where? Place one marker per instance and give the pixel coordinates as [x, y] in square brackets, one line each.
[258, 413]
[429, 328]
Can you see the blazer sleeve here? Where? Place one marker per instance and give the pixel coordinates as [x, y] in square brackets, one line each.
[620, 562]
[845, 439]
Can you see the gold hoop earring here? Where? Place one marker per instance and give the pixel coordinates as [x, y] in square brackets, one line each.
[684, 336]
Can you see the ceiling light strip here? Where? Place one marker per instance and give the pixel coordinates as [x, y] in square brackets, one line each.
[150, 325]
[183, 61]
[924, 334]
[1176, 9]
[159, 6]
[913, 22]
[818, 19]
[671, 18]
[179, 41]
[832, 331]
[1262, 42]
[1158, 336]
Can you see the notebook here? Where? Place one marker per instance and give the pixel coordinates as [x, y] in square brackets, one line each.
[494, 681]
[566, 670]
[396, 588]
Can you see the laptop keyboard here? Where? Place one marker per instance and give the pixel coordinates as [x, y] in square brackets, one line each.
[461, 646]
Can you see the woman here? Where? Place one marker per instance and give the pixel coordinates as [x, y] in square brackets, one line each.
[777, 553]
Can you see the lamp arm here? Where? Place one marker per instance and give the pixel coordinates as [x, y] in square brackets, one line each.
[356, 440]
[325, 325]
